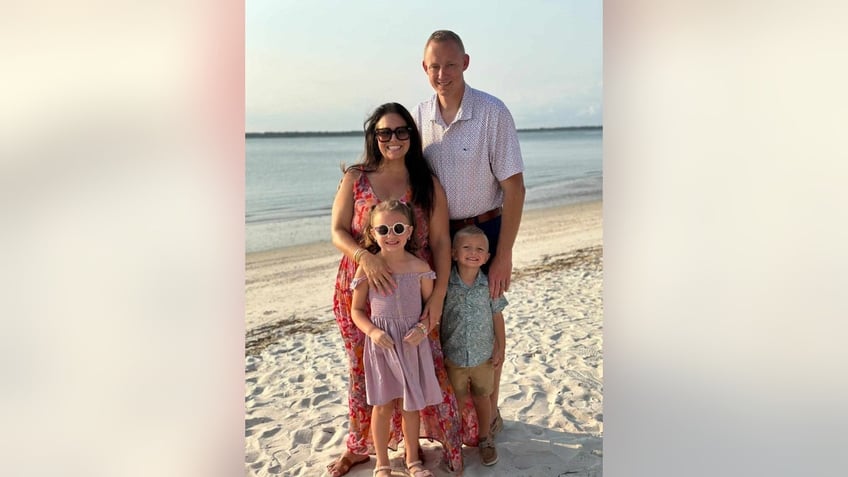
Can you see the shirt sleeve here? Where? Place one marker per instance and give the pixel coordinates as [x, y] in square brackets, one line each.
[505, 152]
[356, 281]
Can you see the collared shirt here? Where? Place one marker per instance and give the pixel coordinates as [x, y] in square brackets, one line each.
[473, 153]
[468, 331]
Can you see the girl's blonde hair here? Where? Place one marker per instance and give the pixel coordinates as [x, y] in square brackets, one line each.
[392, 205]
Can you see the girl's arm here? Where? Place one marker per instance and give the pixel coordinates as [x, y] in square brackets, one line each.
[427, 285]
[360, 317]
[440, 245]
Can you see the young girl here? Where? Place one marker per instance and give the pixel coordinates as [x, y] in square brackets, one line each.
[399, 367]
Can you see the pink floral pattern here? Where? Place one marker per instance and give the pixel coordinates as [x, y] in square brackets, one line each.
[441, 422]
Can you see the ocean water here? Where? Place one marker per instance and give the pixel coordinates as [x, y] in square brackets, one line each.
[290, 182]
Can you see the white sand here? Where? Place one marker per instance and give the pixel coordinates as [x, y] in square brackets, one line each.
[551, 389]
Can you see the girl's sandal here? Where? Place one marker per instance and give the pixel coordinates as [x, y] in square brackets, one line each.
[419, 471]
[382, 468]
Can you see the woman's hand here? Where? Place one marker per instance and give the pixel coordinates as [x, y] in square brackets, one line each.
[381, 339]
[379, 274]
[432, 313]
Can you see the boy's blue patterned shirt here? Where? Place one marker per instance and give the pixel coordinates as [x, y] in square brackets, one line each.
[468, 332]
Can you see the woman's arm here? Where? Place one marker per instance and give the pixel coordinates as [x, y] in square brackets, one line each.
[342, 215]
[419, 332]
[378, 273]
[441, 247]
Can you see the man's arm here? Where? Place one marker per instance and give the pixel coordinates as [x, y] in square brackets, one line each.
[500, 270]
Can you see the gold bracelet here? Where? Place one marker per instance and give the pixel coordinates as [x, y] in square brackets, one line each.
[422, 327]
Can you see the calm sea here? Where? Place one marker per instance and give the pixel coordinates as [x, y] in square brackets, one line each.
[290, 182]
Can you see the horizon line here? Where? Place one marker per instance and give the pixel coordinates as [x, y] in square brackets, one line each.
[359, 132]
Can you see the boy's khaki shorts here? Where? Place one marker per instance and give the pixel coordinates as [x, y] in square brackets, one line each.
[481, 378]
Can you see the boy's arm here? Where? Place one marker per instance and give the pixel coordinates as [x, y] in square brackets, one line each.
[500, 339]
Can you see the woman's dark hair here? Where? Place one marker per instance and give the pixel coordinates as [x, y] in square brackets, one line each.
[420, 173]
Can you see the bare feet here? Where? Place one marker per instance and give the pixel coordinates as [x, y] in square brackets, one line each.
[345, 462]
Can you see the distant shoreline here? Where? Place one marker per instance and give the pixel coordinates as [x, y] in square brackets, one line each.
[272, 134]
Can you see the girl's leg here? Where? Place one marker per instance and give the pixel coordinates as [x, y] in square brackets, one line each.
[411, 428]
[380, 416]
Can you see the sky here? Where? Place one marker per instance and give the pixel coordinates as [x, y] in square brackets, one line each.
[325, 65]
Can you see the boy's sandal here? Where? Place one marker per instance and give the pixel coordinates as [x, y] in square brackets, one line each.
[420, 472]
[382, 468]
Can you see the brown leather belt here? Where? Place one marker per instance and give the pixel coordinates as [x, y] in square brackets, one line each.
[484, 217]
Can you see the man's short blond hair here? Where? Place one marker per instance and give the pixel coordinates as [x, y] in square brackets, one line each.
[440, 36]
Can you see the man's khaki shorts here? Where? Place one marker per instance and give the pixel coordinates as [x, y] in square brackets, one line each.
[481, 378]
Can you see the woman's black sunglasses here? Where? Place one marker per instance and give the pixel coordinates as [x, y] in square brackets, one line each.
[385, 134]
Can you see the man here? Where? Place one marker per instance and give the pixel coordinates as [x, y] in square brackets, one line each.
[470, 141]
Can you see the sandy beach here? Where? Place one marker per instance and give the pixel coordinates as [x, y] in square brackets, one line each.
[551, 389]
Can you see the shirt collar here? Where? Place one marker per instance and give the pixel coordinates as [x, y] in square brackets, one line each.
[466, 108]
[455, 279]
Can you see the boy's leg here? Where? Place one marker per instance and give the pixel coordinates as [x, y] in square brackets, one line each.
[482, 383]
[458, 377]
[496, 421]
[482, 379]
[483, 406]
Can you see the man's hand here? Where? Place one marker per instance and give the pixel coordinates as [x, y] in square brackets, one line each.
[500, 273]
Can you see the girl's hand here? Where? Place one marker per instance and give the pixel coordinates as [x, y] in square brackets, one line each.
[381, 339]
[416, 334]
[379, 274]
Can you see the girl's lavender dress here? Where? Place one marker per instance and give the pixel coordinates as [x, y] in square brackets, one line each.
[405, 371]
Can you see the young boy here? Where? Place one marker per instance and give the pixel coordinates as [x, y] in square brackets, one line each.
[472, 332]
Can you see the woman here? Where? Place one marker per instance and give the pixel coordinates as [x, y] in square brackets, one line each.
[393, 167]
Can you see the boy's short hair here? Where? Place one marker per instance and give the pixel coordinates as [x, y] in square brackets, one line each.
[469, 231]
